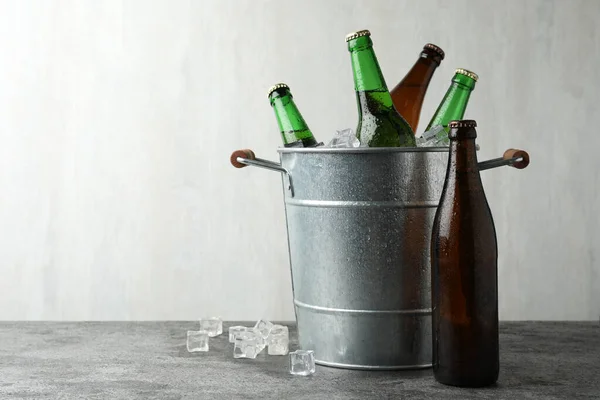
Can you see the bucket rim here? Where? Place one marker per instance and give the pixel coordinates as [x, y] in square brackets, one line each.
[355, 150]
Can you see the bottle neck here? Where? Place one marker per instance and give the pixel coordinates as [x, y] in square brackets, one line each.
[453, 105]
[289, 119]
[409, 93]
[431, 56]
[372, 95]
[427, 63]
[365, 67]
[463, 158]
[419, 75]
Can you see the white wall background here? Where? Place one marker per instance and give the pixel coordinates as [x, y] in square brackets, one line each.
[117, 119]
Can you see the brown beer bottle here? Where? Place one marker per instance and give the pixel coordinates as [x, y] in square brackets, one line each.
[408, 95]
[464, 274]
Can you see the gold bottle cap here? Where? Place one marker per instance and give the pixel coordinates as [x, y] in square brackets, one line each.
[277, 86]
[357, 34]
[468, 73]
[435, 48]
[463, 123]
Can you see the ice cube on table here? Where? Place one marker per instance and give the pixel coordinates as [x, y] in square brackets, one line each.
[302, 362]
[234, 331]
[264, 327]
[344, 138]
[278, 341]
[247, 345]
[213, 325]
[262, 341]
[197, 341]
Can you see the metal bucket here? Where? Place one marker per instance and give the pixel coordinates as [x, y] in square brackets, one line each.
[359, 226]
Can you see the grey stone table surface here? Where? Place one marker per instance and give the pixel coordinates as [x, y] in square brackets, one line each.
[149, 360]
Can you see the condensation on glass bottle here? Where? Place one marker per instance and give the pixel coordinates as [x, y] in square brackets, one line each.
[379, 123]
[451, 108]
[464, 271]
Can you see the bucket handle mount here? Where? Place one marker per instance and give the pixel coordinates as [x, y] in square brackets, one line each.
[243, 158]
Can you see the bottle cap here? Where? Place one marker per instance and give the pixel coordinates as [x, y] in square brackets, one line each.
[277, 86]
[467, 131]
[468, 73]
[435, 48]
[357, 34]
[463, 123]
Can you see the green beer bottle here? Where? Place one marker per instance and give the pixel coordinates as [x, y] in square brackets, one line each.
[379, 124]
[293, 128]
[452, 107]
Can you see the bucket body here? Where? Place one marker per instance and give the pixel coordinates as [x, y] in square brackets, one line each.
[359, 228]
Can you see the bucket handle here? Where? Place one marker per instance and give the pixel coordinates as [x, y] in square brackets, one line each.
[516, 158]
[243, 158]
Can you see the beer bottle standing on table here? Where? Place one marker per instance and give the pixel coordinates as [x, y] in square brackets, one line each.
[293, 128]
[464, 271]
[408, 95]
[379, 123]
[452, 107]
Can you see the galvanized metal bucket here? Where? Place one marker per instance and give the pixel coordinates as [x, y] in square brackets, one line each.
[359, 223]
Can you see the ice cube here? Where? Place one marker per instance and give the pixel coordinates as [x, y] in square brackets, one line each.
[247, 345]
[234, 331]
[197, 341]
[213, 325]
[278, 341]
[437, 136]
[344, 138]
[262, 341]
[437, 143]
[436, 131]
[264, 327]
[302, 362]
[297, 143]
[427, 143]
